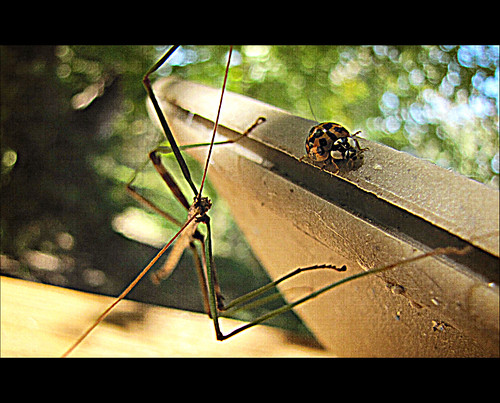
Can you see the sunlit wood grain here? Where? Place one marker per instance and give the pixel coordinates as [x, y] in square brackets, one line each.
[42, 321]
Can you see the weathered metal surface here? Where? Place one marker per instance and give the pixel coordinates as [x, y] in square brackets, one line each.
[394, 206]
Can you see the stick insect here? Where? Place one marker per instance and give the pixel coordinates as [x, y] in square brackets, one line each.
[188, 235]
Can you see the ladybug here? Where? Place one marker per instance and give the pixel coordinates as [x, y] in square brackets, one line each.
[331, 141]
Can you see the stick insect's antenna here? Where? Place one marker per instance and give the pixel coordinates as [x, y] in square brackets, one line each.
[216, 124]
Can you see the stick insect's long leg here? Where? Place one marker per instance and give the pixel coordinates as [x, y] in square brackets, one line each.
[160, 168]
[167, 267]
[141, 199]
[201, 275]
[163, 121]
[290, 306]
[184, 241]
[215, 304]
[169, 180]
[129, 288]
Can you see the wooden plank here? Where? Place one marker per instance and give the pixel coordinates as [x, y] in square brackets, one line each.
[39, 320]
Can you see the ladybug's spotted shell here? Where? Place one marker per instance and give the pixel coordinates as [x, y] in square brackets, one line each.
[320, 140]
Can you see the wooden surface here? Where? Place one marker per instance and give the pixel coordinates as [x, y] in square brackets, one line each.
[39, 320]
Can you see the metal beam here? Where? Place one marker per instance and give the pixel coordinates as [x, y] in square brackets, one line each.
[392, 207]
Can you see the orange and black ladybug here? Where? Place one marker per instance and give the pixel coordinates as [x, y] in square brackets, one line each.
[332, 141]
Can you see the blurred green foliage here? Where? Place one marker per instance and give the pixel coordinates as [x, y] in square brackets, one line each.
[437, 102]
[74, 128]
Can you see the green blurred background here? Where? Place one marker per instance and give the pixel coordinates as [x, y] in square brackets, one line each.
[74, 128]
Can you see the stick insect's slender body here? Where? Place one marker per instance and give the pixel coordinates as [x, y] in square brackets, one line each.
[189, 235]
